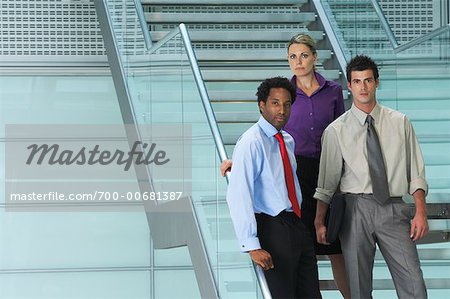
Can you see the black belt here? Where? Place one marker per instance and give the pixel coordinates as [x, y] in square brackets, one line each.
[286, 215]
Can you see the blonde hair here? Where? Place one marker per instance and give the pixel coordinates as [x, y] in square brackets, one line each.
[303, 39]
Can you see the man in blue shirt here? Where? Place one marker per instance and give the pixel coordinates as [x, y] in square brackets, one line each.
[264, 198]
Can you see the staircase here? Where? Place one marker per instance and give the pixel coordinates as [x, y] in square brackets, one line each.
[240, 43]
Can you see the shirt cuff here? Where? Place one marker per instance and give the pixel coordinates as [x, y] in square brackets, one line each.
[249, 244]
[416, 184]
[322, 195]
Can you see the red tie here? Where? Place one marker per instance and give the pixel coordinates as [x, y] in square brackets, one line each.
[288, 175]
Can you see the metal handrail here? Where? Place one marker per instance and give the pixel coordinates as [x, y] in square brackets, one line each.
[393, 40]
[337, 49]
[203, 93]
[422, 38]
[385, 24]
[141, 16]
[164, 40]
[216, 133]
[262, 281]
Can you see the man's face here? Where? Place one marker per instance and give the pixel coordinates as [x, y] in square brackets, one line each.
[363, 87]
[277, 108]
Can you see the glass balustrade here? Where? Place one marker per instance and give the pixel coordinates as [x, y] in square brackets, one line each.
[415, 80]
[163, 90]
[423, 94]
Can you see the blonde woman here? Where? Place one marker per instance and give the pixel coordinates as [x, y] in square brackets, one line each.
[318, 102]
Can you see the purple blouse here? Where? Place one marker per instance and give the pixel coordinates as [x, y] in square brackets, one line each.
[311, 115]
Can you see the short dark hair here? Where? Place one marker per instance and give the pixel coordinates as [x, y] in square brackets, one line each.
[276, 82]
[361, 63]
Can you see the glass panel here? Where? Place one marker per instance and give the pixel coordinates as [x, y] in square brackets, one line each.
[358, 28]
[415, 82]
[48, 251]
[173, 283]
[155, 86]
[163, 91]
[423, 80]
[423, 94]
[133, 283]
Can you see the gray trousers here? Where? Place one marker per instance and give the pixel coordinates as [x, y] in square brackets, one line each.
[367, 223]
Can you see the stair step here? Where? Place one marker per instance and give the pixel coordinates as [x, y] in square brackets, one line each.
[227, 234]
[236, 112]
[250, 55]
[430, 115]
[370, 19]
[238, 116]
[411, 73]
[436, 153]
[236, 74]
[342, 4]
[415, 98]
[233, 95]
[241, 96]
[257, 27]
[439, 183]
[304, 17]
[219, 213]
[438, 127]
[227, 91]
[438, 195]
[241, 35]
[230, 133]
[355, 35]
[432, 59]
[433, 153]
[220, 2]
[435, 139]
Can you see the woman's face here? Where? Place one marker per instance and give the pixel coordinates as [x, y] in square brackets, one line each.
[301, 60]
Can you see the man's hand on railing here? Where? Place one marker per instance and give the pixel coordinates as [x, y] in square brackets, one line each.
[262, 258]
[225, 166]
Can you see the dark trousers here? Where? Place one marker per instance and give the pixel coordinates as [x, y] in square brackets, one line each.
[290, 244]
[307, 173]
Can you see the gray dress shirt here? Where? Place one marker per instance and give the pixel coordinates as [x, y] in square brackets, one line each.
[344, 154]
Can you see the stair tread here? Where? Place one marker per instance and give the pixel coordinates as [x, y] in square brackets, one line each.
[240, 96]
[241, 35]
[221, 2]
[230, 17]
[234, 74]
[249, 54]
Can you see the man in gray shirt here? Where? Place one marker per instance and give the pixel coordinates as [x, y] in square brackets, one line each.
[371, 153]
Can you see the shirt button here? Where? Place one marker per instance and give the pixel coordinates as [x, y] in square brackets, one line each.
[310, 114]
[312, 129]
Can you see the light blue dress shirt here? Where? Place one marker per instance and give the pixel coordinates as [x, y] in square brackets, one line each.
[257, 183]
